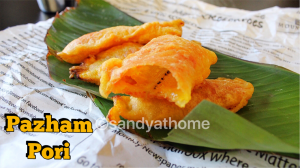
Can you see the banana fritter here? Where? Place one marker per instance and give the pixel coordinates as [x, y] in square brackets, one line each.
[93, 43]
[228, 93]
[90, 69]
[167, 67]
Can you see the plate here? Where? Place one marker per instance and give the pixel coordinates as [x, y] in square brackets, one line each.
[270, 121]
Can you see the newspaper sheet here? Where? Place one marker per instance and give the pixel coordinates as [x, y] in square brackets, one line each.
[267, 36]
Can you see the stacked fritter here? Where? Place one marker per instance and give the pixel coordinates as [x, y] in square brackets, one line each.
[163, 74]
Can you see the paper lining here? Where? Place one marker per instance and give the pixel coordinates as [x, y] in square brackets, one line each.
[27, 90]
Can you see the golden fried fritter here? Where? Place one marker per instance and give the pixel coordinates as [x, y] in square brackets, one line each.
[93, 43]
[90, 69]
[228, 93]
[167, 67]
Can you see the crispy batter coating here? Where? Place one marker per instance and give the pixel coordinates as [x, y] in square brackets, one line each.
[90, 69]
[93, 43]
[167, 67]
[228, 93]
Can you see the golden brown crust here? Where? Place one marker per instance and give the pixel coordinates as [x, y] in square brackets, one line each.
[93, 43]
[167, 67]
[90, 68]
[228, 93]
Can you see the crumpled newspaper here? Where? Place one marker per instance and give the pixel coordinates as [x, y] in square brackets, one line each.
[267, 36]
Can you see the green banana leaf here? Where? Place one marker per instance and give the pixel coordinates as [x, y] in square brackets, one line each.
[270, 121]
